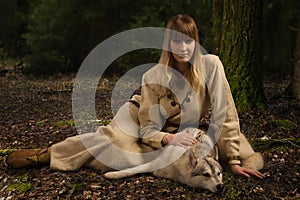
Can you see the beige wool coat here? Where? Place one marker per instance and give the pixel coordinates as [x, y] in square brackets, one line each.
[156, 121]
[167, 104]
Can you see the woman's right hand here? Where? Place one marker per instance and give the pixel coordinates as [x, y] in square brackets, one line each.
[244, 171]
[182, 139]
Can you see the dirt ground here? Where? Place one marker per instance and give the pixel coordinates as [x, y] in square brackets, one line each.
[37, 112]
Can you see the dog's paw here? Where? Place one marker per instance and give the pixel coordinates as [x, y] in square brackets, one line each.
[111, 175]
[117, 174]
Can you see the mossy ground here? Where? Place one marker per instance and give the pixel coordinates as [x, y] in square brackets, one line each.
[35, 113]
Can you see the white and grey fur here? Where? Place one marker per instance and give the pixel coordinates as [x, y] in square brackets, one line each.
[190, 168]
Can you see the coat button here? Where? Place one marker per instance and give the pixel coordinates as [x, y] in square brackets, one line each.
[173, 103]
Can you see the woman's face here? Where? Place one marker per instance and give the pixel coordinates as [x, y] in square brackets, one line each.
[182, 49]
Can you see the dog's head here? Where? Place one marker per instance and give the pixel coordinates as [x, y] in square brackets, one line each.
[203, 166]
[203, 172]
[198, 167]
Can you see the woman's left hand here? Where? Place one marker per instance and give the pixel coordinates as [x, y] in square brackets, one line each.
[244, 171]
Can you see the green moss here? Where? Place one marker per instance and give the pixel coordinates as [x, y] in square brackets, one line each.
[4, 152]
[71, 188]
[283, 123]
[256, 122]
[275, 145]
[105, 122]
[41, 123]
[64, 123]
[239, 55]
[22, 184]
[20, 187]
[77, 187]
[232, 186]
[184, 196]
[233, 193]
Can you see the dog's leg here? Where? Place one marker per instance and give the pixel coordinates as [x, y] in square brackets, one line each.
[120, 174]
[147, 167]
[166, 157]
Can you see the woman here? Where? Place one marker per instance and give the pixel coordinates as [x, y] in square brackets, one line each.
[174, 95]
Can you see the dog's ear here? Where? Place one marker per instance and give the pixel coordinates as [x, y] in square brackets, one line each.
[214, 153]
[192, 158]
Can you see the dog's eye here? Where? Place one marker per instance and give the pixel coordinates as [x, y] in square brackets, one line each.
[206, 175]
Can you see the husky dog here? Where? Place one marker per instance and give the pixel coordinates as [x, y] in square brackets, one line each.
[190, 168]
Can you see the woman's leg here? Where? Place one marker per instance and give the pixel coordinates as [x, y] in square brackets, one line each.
[68, 155]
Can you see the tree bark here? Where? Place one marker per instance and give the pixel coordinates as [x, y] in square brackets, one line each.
[296, 86]
[217, 15]
[240, 50]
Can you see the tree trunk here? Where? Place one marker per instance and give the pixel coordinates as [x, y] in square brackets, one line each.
[296, 88]
[240, 51]
[217, 15]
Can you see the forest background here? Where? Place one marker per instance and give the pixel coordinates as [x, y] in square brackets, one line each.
[52, 36]
[44, 42]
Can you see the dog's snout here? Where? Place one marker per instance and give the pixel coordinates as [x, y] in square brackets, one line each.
[220, 187]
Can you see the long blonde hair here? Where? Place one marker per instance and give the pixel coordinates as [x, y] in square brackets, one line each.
[176, 27]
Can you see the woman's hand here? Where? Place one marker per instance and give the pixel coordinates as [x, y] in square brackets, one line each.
[182, 139]
[244, 171]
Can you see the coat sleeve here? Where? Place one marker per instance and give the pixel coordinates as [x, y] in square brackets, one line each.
[150, 117]
[229, 138]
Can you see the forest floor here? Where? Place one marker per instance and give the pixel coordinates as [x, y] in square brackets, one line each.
[37, 112]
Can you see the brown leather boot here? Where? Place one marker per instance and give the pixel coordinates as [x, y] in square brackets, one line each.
[28, 158]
